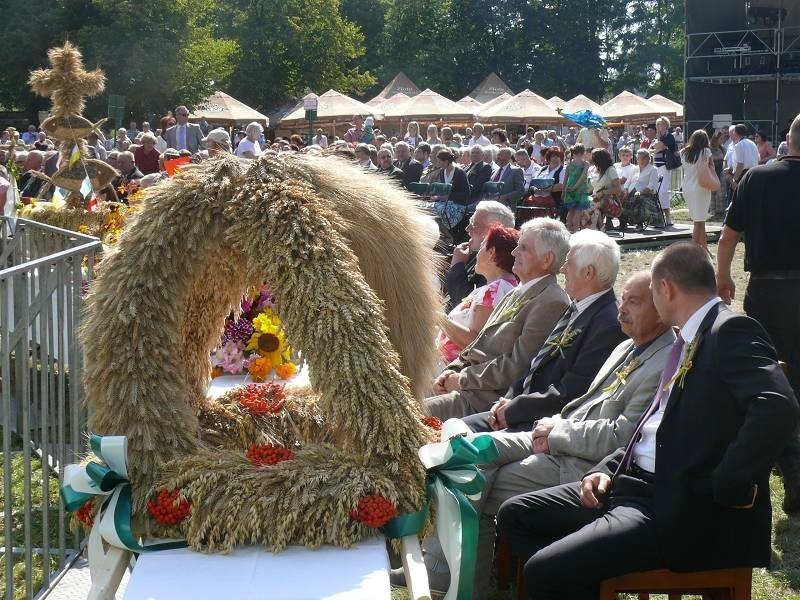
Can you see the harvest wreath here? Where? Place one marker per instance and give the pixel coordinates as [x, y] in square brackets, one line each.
[348, 258]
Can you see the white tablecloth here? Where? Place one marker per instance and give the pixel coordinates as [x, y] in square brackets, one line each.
[249, 573]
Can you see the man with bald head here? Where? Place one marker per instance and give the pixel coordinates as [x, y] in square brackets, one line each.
[29, 184]
[762, 210]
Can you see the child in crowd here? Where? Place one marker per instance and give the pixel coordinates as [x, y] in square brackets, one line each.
[576, 198]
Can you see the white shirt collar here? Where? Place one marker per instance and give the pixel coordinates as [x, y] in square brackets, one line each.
[582, 305]
[689, 330]
[524, 287]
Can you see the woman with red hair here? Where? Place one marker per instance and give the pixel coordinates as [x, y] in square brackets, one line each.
[465, 321]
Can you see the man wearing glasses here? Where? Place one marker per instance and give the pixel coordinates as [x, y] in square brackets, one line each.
[184, 135]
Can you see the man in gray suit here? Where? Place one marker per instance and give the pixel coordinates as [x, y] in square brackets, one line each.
[563, 447]
[516, 329]
[512, 178]
[184, 135]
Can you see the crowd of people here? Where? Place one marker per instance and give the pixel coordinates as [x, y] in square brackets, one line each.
[635, 432]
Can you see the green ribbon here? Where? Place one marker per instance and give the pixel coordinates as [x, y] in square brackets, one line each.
[108, 478]
[455, 480]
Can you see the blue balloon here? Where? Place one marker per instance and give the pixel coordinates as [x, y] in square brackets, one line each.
[585, 118]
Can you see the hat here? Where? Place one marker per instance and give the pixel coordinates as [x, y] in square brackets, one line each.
[218, 135]
[369, 122]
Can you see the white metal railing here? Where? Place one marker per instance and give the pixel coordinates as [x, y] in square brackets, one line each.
[43, 274]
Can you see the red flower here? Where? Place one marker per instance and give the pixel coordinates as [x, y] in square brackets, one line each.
[165, 508]
[84, 514]
[262, 399]
[434, 423]
[262, 455]
[374, 511]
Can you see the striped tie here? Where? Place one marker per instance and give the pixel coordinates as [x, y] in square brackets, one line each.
[546, 348]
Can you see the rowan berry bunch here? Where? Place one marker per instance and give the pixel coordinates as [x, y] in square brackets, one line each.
[262, 455]
[374, 511]
[262, 399]
[433, 422]
[84, 514]
[165, 508]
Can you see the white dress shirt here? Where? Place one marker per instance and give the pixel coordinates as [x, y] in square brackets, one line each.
[644, 451]
[524, 287]
[747, 153]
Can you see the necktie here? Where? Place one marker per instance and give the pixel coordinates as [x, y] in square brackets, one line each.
[669, 371]
[498, 174]
[181, 137]
[546, 348]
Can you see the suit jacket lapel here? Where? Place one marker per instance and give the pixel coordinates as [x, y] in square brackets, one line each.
[582, 319]
[677, 390]
[600, 379]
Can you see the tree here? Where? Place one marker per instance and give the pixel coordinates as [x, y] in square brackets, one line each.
[288, 47]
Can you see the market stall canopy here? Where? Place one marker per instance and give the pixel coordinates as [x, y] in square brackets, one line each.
[332, 107]
[470, 103]
[429, 106]
[666, 104]
[557, 102]
[525, 107]
[393, 105]
[401, 84]
[219, 107]
[490, 88]
[499, 100]
[628, 106]
[580, 102]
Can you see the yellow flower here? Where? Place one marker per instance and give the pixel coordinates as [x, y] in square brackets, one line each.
[260, 368]
[267, 322]
[83, 229]
[268, 345]
[286, 370]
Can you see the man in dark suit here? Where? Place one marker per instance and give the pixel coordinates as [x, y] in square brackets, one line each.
[184, 135]
[478, 173]
[690, 491]
[511, 178]
[412, 169]
[565, 365]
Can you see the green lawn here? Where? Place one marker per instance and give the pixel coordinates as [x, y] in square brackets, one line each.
[37, 522]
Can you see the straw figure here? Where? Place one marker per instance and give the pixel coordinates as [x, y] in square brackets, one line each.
[67, 83]
[349, 259]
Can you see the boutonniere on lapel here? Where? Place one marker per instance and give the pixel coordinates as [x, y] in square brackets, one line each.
[686, 363]
[511, 311]
[621, 376]
[564, 341]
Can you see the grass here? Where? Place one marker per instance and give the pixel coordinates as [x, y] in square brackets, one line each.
[36, 525]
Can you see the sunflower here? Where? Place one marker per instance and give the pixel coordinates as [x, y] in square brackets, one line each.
[268, 345]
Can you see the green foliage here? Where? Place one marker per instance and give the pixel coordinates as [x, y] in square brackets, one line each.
[266, 53]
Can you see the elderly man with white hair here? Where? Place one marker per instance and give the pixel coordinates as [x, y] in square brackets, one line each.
[564, 365]
[461, 279]
[478, 137]
[249, 147]
[517, 326]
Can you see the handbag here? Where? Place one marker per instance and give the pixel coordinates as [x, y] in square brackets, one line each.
[611, 206]
[707, 178]
[672, 160]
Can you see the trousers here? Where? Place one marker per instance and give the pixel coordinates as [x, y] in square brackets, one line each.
[568, 550]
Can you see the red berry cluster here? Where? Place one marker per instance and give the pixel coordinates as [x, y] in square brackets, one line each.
[434, 423]
[262, 455]
[84, 514]
[374, 511]
[165, 510]
[262, 399]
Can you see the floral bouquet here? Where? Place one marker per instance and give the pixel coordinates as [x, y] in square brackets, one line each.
[254, 341]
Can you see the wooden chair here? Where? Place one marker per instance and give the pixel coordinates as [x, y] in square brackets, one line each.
[720, 584]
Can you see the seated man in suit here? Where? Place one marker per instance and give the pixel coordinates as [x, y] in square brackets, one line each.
[690, 491]
[563, 447]
[567, 361]
[516, 328]
[412, 169]
[478, 173]
[510, 175]
[461, 279]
